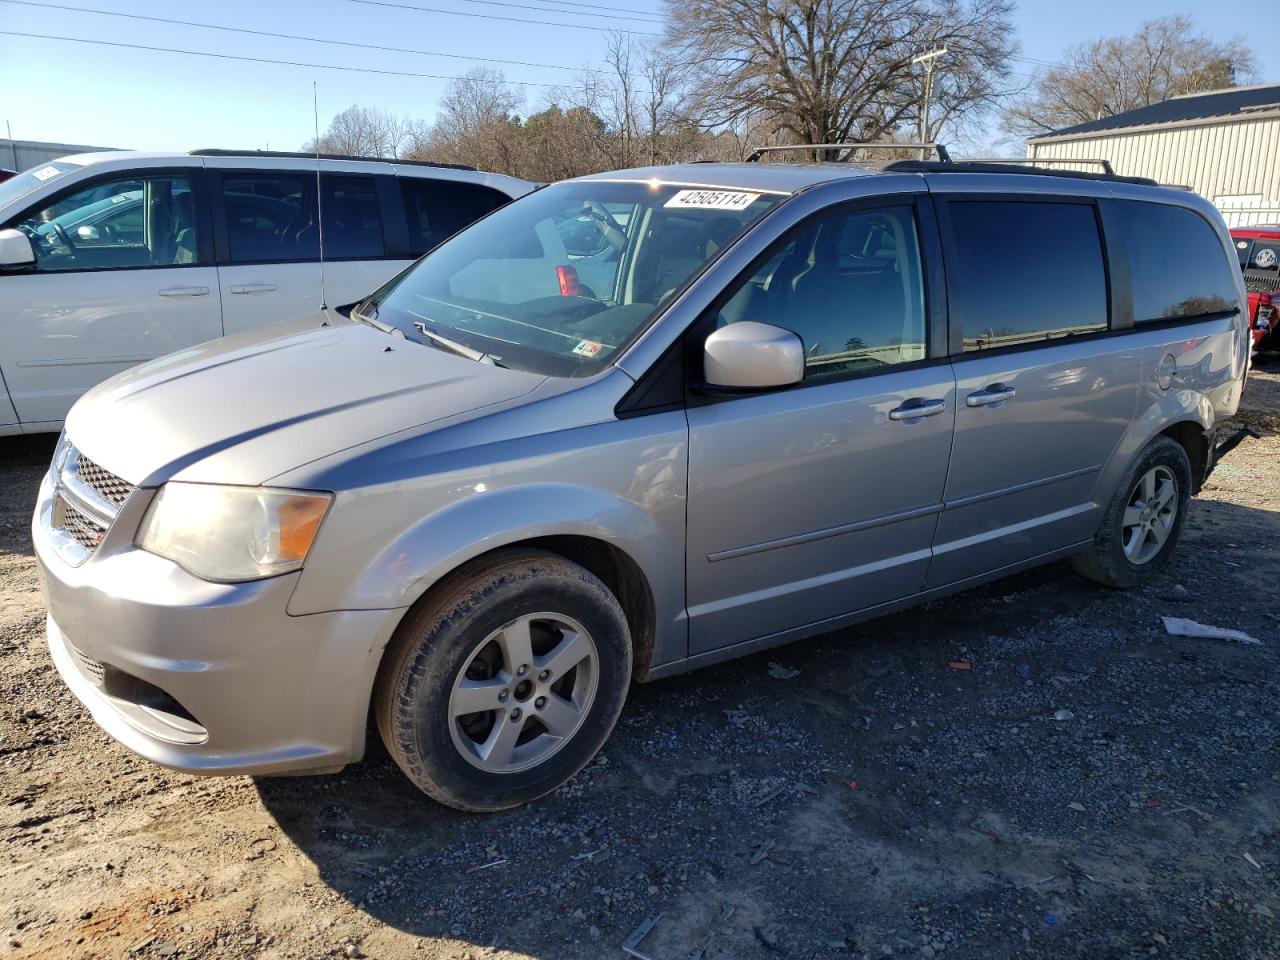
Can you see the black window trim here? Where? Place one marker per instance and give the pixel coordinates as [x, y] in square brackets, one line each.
[200, 208]
[654, 391]
[1117, 297]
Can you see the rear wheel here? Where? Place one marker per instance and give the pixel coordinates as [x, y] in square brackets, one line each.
[1143, 522]
[506, 682]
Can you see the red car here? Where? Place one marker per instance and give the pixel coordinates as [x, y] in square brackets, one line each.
[1259, 250]
[6, 174]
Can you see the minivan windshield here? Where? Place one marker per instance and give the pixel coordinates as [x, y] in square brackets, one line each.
[29, 181]
[562, 280]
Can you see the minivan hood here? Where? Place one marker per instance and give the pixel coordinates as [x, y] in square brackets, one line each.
[248, 407]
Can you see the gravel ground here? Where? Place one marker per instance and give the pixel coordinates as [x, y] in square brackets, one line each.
[1083, 786]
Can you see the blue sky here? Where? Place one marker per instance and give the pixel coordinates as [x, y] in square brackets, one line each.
[118, 96]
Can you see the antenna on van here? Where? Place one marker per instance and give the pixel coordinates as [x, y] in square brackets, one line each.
[315, 109]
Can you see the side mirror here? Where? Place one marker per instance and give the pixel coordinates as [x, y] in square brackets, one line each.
[15, 249]
[752, 356]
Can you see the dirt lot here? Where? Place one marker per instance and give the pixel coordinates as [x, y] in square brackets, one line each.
[1090, 787]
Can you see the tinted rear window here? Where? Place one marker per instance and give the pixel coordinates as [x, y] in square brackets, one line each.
[437, 209]
[1177, 262]
[1025, 271]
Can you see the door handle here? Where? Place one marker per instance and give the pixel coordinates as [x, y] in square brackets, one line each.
[254, 288]
[996, 393]
[184, 292]
[915, 408]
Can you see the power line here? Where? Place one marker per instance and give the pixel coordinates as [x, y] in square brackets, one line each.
[267, 60]
[607, 11]
[600, 6]
[494, 16]
[288, 36]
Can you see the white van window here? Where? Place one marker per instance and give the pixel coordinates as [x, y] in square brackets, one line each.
[116, 224]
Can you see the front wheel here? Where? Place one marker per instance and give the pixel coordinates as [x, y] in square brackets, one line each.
[1142, 523]
[506, 682]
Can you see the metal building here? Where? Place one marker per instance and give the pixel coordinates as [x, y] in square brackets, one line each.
[1224, 145]
[23, 154]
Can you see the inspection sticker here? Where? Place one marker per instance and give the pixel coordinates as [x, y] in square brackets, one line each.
[44, 173]
[588, 348]
[712, 199]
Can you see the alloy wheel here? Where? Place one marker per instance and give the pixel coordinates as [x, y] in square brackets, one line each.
[523, 692]
[1149, 518]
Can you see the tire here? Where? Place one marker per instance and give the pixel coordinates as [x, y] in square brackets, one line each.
[1116, 558]
[455, 651]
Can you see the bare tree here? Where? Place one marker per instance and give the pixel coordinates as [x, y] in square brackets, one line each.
[362, 132]
[1165, 58]
[820, 71]
[477, 124]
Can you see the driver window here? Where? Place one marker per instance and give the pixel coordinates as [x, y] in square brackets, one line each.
[849, 285]
[116, 224]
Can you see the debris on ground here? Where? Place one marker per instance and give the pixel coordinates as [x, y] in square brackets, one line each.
[779, 672]
[1182, 627]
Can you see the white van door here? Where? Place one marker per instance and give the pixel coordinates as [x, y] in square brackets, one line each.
[122, 275]
[268, 246]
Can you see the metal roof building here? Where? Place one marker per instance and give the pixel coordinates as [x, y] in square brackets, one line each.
[1224, 145]
[24, 154]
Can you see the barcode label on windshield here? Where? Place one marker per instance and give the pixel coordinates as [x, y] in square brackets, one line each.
[712, 199]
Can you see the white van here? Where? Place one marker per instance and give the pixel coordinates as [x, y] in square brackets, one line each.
[108, 260]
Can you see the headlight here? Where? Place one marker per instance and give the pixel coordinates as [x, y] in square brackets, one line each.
[60, 453]
[230, 534]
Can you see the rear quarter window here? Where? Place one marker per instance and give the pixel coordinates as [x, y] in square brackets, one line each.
[1178, 266]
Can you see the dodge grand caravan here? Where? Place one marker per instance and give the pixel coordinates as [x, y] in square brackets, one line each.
[755, 403]
[111, 259]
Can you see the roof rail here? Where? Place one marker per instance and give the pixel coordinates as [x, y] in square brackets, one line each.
[291, 155]
[986, 166]
[924, 148]
[1031, 161]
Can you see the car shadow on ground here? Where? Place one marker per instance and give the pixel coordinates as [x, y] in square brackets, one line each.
[915, 760]
[24, 461]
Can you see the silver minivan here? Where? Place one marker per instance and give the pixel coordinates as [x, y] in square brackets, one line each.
[739, 405]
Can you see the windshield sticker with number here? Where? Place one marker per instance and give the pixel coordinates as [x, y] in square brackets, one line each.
[44, 173]
[712, 199]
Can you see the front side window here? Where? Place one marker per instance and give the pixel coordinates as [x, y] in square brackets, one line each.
[1178, 266]
[1022, 272]
[527, 292]
[849, 284]
[116, 224]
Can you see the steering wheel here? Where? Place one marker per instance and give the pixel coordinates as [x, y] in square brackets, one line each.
[63, 237]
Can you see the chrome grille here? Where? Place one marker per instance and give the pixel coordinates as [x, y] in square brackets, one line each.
[1260, 281]
[92, 667]
[82, 528]
[107, 484]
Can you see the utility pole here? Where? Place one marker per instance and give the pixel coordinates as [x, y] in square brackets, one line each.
[929, 60]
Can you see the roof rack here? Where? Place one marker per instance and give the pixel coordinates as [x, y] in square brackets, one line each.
[924, 148]
[986, 166]
[296, 155]
[1031, 161]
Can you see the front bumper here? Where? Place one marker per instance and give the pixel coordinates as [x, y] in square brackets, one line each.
[204, 677]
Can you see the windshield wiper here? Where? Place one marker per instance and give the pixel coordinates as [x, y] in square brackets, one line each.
[373, 321]
[453, 346]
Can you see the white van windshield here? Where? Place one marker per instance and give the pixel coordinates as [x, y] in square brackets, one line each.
[560, 281]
